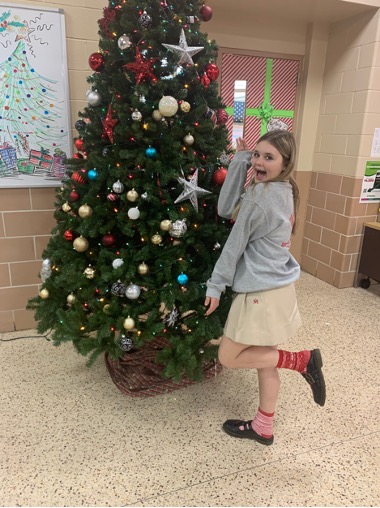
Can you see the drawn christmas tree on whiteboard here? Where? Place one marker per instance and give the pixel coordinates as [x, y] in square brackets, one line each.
[28, 106]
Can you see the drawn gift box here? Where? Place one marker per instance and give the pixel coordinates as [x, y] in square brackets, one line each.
[59, 165]
[8, 158]
[41, 159]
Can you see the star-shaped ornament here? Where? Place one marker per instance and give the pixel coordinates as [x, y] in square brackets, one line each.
[191, 190]
[142, 69]
[183, 51]
[109, 123]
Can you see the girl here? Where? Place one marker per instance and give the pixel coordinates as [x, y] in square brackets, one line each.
[257, 264]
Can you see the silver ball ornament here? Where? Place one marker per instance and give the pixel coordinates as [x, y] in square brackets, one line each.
[136, 116]
[118, 187]
[188, 139]
[117, 263]
[94, 98]
[133, 291]
[125, 343]
[178, 229]
[124, 42]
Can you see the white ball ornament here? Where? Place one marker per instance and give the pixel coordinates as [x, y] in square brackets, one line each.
[168, 105]
[133, 291]
[70, 299]
[134, 213]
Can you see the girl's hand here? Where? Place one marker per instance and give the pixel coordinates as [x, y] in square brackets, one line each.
[212, 304]
[241, 145]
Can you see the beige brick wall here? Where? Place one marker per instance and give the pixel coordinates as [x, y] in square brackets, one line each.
[349, 113]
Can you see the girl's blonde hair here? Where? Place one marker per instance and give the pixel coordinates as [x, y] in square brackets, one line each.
[285, 143]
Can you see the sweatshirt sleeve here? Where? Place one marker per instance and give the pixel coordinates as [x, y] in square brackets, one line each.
[233, 186]
[251, 221]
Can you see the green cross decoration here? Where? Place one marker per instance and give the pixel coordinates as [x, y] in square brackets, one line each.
[265, 111]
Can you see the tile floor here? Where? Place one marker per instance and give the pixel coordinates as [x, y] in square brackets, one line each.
[69, 437]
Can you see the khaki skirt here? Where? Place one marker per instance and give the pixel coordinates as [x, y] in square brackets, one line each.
[263, 318]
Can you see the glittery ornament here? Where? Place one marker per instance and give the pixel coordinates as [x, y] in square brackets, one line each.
[168, 106]
[80, 244]
[124, 42]
[117, 263]
[129, 323]
[45, 270]
[217, 246]
[211, 114]
[118, 187]
[145, 20]
[109, 124]
[132, 195]
[136, 116]
[118, 288]
[89, 272]
[106, 308]
[142, 69]
[68, 235]
[183, 51]
[191, 190]
[165, 225]
[178, 228]
[133, 291]
[205, 80]
[156, 239]
[96, 62]
[224, 159]
[126, 343]
[185, 106]
[66, 207]
[85, 211]
[212, 71]
[222, 116]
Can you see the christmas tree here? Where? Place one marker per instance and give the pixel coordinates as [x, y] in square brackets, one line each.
[137, 231]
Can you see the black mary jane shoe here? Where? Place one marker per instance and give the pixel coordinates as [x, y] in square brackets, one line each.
[314, 377]
[232, 428]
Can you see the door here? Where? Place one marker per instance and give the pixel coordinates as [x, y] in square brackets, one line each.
[259, 93]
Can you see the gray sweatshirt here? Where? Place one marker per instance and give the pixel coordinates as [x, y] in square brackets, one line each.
[256, 255]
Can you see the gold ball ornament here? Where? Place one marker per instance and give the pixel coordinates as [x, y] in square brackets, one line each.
[143, 269]
[165, 225]
[132, 195]
[80, 244]
[85, 211]
[185, 106]
[89, 272]
[157, 115]
[44, 294]
[66, 207]
[70, 299]
[129, 323]
[106, 308]
[156, 239]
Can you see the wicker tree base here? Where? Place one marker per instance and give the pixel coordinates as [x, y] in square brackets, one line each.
[138, 375]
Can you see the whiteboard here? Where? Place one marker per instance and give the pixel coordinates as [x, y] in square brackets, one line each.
[35, 124]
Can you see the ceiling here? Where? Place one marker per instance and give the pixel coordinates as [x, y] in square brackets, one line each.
[305, 11]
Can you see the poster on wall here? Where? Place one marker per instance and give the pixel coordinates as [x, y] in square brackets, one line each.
[371, 183]
[35, 136]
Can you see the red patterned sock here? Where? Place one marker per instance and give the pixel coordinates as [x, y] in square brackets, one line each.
[262, 424]
[293, 361]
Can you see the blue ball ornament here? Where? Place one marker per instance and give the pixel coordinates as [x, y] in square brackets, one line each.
[182, 279]
[151, 152]
[92, 174]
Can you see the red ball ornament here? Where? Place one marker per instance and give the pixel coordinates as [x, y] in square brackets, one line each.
[205, 80]
[78, 156]
[212, 72]
[206, 12]
[112, 197]
[96, 62]
[219, 176]
[79, 144]
[222, 116]
[68, 235]
[108, 240]
[74, 195]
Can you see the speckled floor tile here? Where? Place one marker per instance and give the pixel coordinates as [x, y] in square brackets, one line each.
[339, 475]
[69, 437]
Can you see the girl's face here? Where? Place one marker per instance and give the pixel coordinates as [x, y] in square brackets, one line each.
[267, 162]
